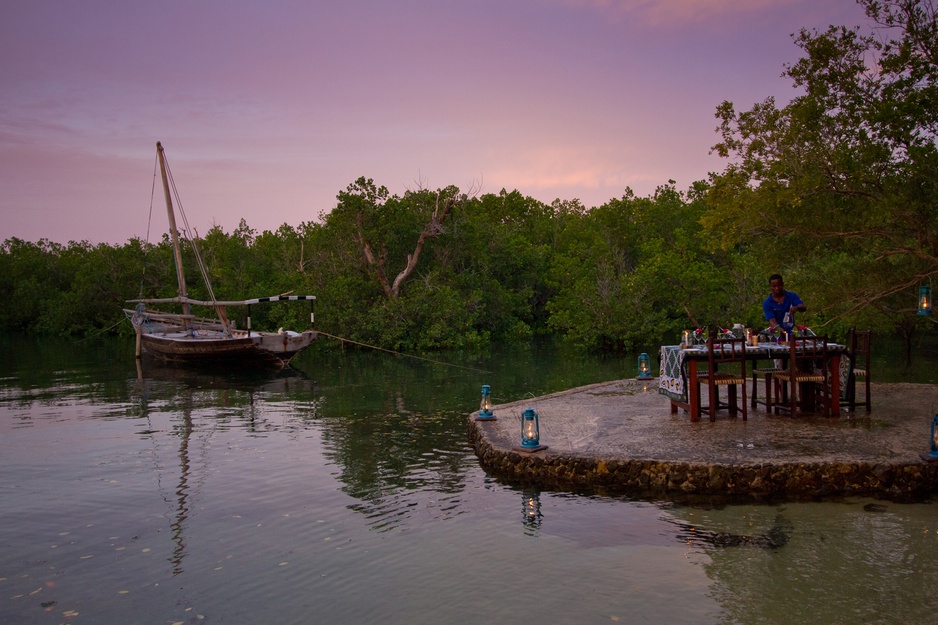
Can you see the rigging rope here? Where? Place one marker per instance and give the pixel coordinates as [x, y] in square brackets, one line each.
[189, 232]
[146, 243]
[391, 351]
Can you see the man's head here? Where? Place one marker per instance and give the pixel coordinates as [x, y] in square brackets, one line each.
[776, 284]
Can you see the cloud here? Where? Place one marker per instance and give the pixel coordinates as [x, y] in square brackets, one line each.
[679, 12]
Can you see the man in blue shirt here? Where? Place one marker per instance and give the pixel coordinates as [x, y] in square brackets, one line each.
[780, 303]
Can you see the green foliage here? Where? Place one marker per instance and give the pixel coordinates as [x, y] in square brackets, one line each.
[503, 267]
[71, 290]
[839, 186]
[637, 270]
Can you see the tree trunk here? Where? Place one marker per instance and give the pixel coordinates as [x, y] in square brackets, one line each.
[432, 229]
[443, 206]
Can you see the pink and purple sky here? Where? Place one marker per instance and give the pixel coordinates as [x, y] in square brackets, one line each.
[267, 109]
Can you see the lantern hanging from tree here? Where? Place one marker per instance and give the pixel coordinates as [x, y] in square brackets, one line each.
[924, 299]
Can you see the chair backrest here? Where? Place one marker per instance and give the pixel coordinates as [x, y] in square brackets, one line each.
[726, 351]
[859, 344]
[807, 349]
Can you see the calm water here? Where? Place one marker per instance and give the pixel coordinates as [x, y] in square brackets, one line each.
[344, 492]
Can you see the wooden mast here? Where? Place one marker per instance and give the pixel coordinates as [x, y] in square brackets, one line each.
[180, 276]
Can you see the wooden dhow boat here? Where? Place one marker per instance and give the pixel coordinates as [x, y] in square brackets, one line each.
[187, 338]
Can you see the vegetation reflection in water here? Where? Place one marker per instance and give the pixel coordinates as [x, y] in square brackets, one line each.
[344, 491]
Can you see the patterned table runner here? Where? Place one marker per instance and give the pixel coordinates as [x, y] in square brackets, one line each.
[672, 373]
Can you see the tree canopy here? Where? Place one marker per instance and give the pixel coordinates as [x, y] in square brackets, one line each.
[841, 184]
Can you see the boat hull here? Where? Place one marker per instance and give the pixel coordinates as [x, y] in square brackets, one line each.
[264, 348]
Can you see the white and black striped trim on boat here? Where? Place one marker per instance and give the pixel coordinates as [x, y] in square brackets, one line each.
[246, 302]
[280, 298]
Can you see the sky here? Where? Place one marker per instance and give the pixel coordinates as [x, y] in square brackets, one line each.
[268, 109]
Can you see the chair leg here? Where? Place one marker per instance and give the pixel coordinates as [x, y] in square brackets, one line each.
[852, 391]
[768, 393]
[866, 381]
[823, 392]
[807, 396]
[782, 397]
[714, 402]
[695, 417]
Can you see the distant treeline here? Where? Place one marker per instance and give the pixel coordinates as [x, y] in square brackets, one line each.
[428, 270]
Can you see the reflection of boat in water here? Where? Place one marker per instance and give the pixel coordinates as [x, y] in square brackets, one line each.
[228, 395]
[187, 338]
[185, 407]
[284, 382]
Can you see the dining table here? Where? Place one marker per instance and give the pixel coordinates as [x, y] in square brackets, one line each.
[679, 365]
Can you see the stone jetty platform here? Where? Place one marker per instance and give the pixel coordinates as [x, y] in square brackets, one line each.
[620, 438]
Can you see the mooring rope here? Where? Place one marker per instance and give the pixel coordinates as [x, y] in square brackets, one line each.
[100, 332]
[391, 351]
[338, 338]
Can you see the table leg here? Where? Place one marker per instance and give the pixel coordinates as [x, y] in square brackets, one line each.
[693, 393]
[835, 384]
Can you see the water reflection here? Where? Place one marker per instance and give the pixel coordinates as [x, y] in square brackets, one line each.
[236, 496]
[792, 563]
[219, 398]
[400, 464]
[179, 503]
[531, 511]
[774, 537]
[182, 496]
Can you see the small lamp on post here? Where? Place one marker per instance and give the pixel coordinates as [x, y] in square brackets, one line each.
[530, 432]
[644, 367]
[485, 408]
[924, 299]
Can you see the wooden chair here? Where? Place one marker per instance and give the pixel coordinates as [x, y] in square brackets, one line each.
[804, 382]
[768, 373]
[859, 343]
[731, 355]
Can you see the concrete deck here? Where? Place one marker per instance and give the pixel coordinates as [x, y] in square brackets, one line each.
[620, 438]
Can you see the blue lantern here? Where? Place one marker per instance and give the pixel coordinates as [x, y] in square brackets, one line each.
[644, 367]
[924, 299]
[485, 408]
[530, 430]
[933, 451]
